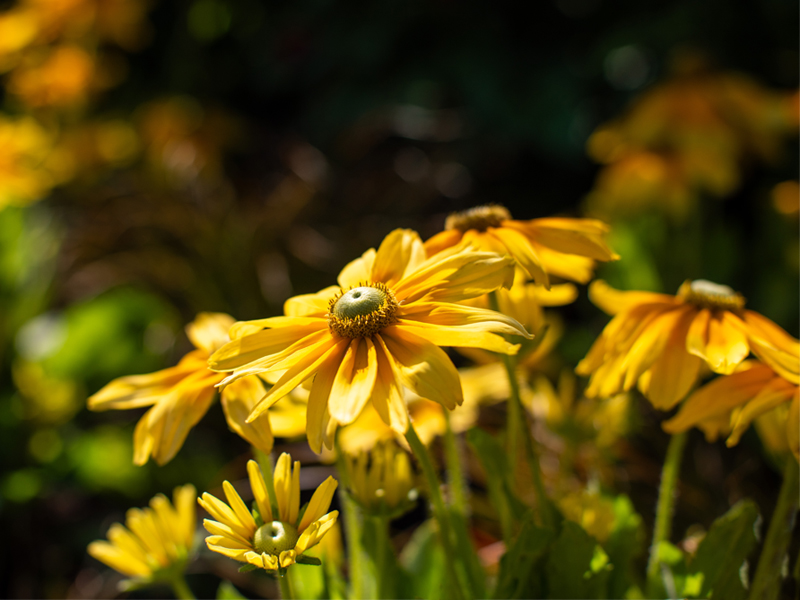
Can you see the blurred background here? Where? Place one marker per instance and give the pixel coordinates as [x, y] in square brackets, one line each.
[158, 159]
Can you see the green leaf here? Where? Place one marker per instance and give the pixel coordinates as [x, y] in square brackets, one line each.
[519, 576]
[308, 560]
[569, 565]
[422, 556]
[226, 591]
[247, 568]
[624, 546]
[467, 557]
[308, 583]
[723, 551]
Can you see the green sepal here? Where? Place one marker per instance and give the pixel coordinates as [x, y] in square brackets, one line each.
[247, 568]
[308, 560]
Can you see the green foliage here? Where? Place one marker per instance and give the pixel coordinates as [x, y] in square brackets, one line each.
[518, 578]
[226, 591]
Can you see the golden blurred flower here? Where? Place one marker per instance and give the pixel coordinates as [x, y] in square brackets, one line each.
[730, 403]
[155, 543]
[379, 331]
[60, 77]
[30, 166]
[686, 137]
[661, 342]
[381, 479]
[182, 394]
[541, 247]
[267, 540]
[593, 512]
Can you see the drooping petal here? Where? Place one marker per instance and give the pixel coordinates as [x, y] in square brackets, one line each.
[776, 392]
[387, 395]
[719, 397]
[584, 237]
[424, 367]
[238, 401]
[252, 348]
[304, 368]
[675, 372]
[650, 344]
[727, 344]
[318, 415]
[209, 331]
[354, 381]
[524, 252]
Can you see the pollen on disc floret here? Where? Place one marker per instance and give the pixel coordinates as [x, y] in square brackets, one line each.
[707, 294]
[479, 218]
[362, 311]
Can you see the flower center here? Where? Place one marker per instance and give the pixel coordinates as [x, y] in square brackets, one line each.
[362, 311]
[707, 294]
[480, 218]
[276, 537]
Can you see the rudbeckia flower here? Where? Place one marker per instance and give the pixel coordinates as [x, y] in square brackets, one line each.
[732, 402]
[182, 394]
[559, 246]
[266, 540]
[661, 342]
[155, 543]
[379, 330]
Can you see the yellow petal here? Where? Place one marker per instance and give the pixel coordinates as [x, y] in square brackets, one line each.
[260, 493]
[727, 344]
[238, 401]
[583, 237]
[238, 506]
[209, 331]
[442, 241]
[184, 499]
[613, 301]
[519, 246]
[400, 253]
[449, 314]
[252, 348]
[465, 337]
[719, 397]
[424, 367]
[318, 416]
[649, 345]
[776, 392]
[282, 476]
[127, 542]
[305, 366]
[319, 503]
[354, 381]
[387, 396]
[225, 515]
[310, 305]
[118, 559]
[358, 271]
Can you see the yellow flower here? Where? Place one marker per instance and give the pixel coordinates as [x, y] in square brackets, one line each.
[593, 512]
[379, 331]
[269, 541]
[732, 402]
[182, 394]
[564, 247]
[661, 341]
[381, 479]
[155, 541]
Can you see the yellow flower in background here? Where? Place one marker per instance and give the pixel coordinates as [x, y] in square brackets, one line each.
[65, 76]
[730, 403]
[182, 394]
[270, 541]
[29, 165]
[558, 246]
[661, 342]
[378, 331]
[686, 137]
[593, 512]
[381, 479]
[155, 542]
[482, 386]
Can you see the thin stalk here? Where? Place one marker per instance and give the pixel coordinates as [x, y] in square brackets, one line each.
[381, 526]
[286, 586]
[455, 469]
[353, 529]
[439, 511]
[267, 469]
[666, 504]
[767, 581]
[180, 588]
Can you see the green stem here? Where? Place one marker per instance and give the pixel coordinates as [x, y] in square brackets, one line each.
[455, 471]
[267, 469]
[353, 529]
[286, 586]
[767, 581]
[666, 505]
[383, 574]
[439, 511]
[180, 588]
